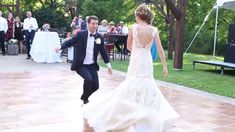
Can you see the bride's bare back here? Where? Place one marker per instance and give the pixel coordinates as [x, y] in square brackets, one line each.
[145, 35]
[141, 36]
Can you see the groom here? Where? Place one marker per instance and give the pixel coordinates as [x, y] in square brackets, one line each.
[88, 44]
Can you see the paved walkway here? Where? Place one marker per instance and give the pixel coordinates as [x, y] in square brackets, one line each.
[45, 98]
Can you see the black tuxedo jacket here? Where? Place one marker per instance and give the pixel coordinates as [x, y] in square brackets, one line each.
[80, 44]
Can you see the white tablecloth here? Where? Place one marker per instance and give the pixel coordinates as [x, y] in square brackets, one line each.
[70, 53]
[43, 47]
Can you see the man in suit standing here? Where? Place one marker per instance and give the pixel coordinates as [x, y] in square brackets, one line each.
[88, 44]
[30, 26]
[3, 30]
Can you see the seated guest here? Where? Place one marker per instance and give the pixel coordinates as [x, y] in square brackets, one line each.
[103, 28]
[122, 29]
[112, 28]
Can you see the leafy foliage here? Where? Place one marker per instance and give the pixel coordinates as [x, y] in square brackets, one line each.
[112, 10]
[53, 11]
[196, 12]
[53, 17]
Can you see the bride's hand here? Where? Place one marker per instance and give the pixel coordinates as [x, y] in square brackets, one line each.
[165, 72]
[57, 50]
[110, 71]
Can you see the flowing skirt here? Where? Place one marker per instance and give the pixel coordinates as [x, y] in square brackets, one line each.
[136, 105]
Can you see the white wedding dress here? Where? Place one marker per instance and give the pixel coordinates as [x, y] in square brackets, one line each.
[137, 104]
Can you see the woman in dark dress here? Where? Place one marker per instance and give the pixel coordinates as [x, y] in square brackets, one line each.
[19, 33]
[10, 32]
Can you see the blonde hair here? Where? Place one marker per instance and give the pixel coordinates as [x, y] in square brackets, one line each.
[104, 21]
[144, 13]
[111, 23]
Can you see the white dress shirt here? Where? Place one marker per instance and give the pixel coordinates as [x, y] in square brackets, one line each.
[3, 24]
[89, 59]
[103, 29]
[124, 30]
[28, 22]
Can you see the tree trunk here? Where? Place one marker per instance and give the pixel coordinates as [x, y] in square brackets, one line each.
[171, 36]
[72, 12]
[17, 8]
[73, 9]
[179, 14]
[178, 56]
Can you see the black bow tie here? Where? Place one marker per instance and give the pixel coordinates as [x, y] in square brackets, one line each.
[92, 35]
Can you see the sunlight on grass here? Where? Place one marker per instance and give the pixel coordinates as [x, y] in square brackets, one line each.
[205, 77]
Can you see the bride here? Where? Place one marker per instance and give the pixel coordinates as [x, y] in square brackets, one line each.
[137, 104]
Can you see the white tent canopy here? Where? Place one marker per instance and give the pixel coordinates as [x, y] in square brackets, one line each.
[227, 4]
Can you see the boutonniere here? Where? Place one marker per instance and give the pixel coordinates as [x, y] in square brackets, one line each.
[98, 41]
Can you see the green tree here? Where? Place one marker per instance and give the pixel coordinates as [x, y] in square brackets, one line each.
[112, 10]
[46, 12]
[55, 18]
[196, 12]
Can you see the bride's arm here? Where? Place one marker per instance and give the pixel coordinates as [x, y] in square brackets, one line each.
[161, 54]
[129, 40]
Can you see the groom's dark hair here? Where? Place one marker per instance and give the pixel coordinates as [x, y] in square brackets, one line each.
[93, 17]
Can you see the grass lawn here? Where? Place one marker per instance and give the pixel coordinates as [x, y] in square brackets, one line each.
[205, 77]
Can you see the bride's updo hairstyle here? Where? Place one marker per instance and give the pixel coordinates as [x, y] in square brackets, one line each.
[144, 13]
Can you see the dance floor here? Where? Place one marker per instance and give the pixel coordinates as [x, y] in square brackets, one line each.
[49, 101]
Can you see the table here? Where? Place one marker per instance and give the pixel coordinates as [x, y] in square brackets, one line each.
[116, 38]
[43, 47]
[112, 37]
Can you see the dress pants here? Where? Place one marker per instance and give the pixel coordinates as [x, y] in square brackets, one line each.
[91, 80]
[29, 39]
[2, 40]
[119, 42]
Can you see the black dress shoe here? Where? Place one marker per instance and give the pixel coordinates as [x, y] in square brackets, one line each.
[28, 57]
[85, 101]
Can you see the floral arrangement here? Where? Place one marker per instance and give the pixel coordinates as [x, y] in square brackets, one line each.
[46, 27]
[13, 41]
[98, 41]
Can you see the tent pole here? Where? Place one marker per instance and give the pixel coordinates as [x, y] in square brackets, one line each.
[216, 27]
[205, 20]
[194, 37]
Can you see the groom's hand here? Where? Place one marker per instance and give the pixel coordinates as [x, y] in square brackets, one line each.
[109, 68]
[110, 71]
